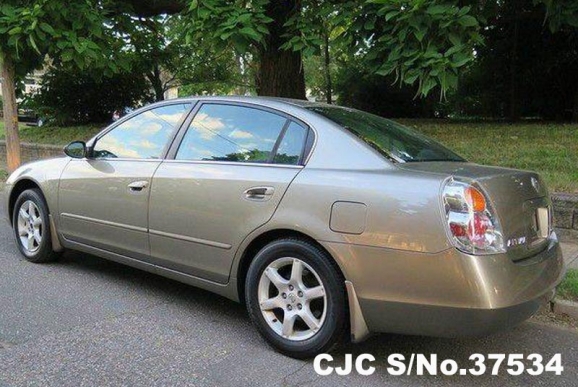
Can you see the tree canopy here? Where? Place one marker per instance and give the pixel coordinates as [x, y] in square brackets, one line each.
[441, 48]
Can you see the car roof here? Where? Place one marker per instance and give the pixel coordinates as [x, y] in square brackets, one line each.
[252, 99]
[358, 156]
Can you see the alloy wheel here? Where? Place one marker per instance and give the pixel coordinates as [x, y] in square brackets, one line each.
[292, 299]
[30, 226]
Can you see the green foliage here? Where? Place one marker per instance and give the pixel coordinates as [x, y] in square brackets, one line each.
[238, 23]
[202, 67]
[568, 288]
[377, 94]
[71, 32]
[541, 81]
[560, 13]
[158, 48]
[423, 43]
[305, 29]
[151, 48]
[315, 80]
[72, 96]
[420, 42]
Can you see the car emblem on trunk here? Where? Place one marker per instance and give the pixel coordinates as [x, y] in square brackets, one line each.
[516, 241]
[535, 183]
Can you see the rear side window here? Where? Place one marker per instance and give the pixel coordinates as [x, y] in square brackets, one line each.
[231, 133]
[143, 136]
[292, 144]
[392, 140]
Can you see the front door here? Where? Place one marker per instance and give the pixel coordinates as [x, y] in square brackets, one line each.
[103, 200]
[227, 178]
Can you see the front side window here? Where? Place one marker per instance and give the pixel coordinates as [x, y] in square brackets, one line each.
[144, 136]
[231, 133]
[391, 139]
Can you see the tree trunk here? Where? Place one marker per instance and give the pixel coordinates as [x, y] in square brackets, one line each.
[157, 84]
[328, 85]
[280, 71]
[148, 8]
[514, 84]
[10, 113]
[575, 107]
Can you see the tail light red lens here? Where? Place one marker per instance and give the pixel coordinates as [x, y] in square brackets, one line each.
[472, 225]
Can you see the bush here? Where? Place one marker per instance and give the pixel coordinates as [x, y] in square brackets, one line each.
[382, 96]
[72, 97]
[1, 107]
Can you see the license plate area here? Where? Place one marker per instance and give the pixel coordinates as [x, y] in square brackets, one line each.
[533, 227]
[540, 226]
[542, 221]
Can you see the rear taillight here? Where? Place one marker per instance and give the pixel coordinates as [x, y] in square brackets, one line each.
[471, 221]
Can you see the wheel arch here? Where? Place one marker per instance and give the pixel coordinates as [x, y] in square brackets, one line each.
[356, 321]
[19, 187]
[261, 241]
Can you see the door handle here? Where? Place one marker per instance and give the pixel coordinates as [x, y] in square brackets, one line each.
[138, 186]
[259, 193]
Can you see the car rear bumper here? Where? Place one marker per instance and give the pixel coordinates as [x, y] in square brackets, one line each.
[443, 321]
[448, 294]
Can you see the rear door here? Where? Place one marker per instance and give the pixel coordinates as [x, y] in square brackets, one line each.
[103, 200]
[230, 169]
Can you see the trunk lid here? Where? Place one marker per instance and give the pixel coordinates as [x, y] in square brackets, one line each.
[519, 199]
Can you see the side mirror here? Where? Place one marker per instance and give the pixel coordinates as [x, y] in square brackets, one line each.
[76, 150]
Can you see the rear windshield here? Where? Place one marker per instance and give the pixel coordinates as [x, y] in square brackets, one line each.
[394, 141]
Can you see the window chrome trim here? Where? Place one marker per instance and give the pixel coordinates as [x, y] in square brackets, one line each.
[159, 160]
[215, 162]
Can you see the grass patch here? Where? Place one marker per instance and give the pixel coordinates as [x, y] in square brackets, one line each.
[54, 135]
[3, 177]
[548, 148]
[57, 135]
[568, 288]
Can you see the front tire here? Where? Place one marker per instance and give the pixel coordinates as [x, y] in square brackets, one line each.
[31, 225]
[295, 295]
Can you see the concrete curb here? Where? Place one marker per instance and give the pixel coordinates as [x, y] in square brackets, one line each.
[565, 307]
[565, 213]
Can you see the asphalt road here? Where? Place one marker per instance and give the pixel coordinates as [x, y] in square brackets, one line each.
[85, 321]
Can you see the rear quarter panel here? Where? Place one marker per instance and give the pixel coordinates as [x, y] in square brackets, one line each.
[403, 209]
[403, 212]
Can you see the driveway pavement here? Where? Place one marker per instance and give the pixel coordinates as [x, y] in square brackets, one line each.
[85, 321]
[570, 251]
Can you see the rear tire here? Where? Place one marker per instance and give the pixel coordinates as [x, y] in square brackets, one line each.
[296, 298]
[31, 225]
